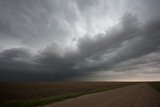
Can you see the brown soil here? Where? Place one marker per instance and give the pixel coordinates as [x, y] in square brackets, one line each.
[139, 95]
[23, 91]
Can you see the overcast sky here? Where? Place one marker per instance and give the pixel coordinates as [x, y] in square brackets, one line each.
[79, 40]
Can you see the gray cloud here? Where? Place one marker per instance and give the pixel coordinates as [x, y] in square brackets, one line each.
[49, 26]
[94, 54]
[130, 42]
[30, 21]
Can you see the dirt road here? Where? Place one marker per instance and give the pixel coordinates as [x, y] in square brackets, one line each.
[139, 95]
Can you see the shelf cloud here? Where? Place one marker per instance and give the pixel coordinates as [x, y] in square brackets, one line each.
[56, 40]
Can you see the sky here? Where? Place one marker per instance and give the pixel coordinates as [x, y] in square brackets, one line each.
[80, 40]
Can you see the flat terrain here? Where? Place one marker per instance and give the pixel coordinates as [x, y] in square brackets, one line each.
[22, 94]
[138, 95]
[24, 91]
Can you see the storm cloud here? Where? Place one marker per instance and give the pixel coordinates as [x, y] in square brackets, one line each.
[56, 40]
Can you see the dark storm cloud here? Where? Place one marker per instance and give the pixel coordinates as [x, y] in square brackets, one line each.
[126, 41]
[131, 44]
[130, 41]
[15, 59]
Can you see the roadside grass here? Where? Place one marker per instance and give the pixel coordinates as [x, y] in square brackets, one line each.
[156, 85]
[42, 101]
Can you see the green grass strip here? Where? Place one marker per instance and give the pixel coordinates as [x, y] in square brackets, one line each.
[156, 85]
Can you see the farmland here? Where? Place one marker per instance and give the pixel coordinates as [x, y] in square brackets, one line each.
[46, 92]
[156, 85]
[137, 95]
